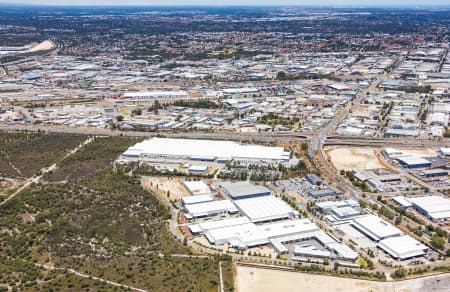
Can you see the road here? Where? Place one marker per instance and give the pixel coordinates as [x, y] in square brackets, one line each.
[322, 135]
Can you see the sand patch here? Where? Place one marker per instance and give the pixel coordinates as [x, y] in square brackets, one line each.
[43, 46]
[162, 185]
[249, 279]
[350, 158]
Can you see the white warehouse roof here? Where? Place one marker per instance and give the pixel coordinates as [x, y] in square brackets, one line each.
[402, 201]
[208, 225]
[375, 228]
[197, 187]
[264, 208]
[196, 199]
[243, 235]
[211, 208]
[290, 227]
[155, 94]
[402, 247]
[191, 148]
[436, 207]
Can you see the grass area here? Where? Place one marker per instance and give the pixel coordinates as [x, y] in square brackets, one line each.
[23, 154]
[100, 222]
[93, 157]
[157, 273]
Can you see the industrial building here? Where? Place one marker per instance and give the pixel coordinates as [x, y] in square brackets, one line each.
[445, 152]
[326, 192]
[196, 199]
[437, 172]
[402, 247]
[210, 208]
[402, 201]
[156, 94]
[436, 208]
[208, 225]
[197, 188]
[265, 208]
[240, 236]
[314, 179]
[375, 228]
[240, 233]
[160, 149]
[413, 162]
[339, 210]
[300, 230]
[240, 190]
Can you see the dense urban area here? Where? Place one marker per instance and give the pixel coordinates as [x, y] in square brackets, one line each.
[224, 149]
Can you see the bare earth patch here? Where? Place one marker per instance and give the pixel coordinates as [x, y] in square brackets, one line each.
[162, 185]
[251, 279]
[350, 158]
[43, 46]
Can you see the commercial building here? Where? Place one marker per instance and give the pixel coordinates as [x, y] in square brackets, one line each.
[375, 228]
[210, 208]
[264, 208]
[240, 190]
[402, 247]
[159, 149]
[436, 208]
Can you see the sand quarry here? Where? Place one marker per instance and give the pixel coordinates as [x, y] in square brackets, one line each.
[251, 279]
[350, 158]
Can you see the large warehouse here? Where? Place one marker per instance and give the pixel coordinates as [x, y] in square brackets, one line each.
[436, 208]
[402, 247]
[157, 94]
[205, 150]
[264, 208]
[210, 208]
[414, 162]
[242, 236]
[240, 190]
[375, 228]
[197, 188]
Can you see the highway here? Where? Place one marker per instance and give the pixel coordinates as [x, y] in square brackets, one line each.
[322, 136]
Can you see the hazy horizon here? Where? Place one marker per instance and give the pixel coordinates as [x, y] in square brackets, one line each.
[343, 3]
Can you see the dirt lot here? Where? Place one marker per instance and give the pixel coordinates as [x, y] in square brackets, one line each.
[44, 46]
[260, 280]
[163, 184]
[350, 158]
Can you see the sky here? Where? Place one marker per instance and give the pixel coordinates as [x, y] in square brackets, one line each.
[363, 3]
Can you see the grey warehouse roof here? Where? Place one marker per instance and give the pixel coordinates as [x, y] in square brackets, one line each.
[244, 189]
